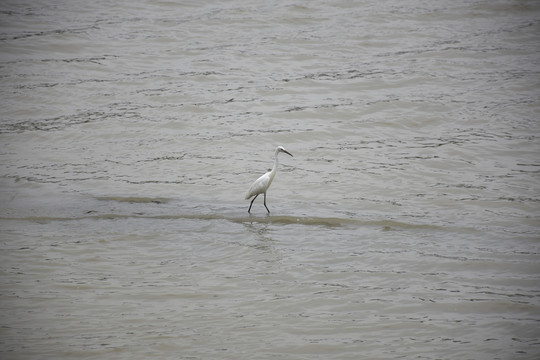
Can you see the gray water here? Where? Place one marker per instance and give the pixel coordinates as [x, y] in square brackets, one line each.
[407, 224]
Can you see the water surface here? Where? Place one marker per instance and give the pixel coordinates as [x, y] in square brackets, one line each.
[405, 226]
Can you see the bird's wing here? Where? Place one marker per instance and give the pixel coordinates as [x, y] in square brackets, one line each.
[259, 186]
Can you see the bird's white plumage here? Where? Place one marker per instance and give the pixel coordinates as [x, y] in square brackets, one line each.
[261, 185]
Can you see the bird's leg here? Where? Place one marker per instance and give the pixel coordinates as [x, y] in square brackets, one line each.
[252, 203]
[265, 203]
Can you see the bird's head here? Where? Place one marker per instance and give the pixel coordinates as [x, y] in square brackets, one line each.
[282, 149]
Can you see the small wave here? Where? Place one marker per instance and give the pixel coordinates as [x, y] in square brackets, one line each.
[327, 222]
[134, 199]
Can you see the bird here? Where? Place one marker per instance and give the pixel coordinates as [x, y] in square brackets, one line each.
[261, 185]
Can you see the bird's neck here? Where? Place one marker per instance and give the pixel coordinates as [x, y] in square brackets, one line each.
[276, 162]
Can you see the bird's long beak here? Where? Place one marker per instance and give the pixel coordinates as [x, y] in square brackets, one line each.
[286, 152]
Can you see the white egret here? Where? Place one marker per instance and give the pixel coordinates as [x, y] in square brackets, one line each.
[262, 184]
